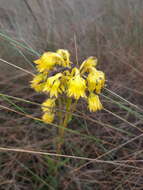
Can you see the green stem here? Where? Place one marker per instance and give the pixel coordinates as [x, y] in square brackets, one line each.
[64, 125]
[59, 112]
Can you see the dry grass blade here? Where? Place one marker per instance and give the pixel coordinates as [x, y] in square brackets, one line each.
[110, 151]
[72, 157]
[17, 67]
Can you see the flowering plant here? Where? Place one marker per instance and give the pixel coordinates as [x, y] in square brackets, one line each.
[65, 83]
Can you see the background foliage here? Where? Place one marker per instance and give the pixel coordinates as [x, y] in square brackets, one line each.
[112, 31]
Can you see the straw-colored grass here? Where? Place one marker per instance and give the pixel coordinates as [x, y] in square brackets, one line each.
[102, 150]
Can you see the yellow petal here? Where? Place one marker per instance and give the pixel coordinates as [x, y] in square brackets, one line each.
[96, 80]
[66, 57]
[48, 105]
[87, 64]
[48, 117]
[76, 87]
[53, 84]
[48, 60]
[94, 103]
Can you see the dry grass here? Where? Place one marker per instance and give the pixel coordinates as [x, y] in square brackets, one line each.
[105, 147]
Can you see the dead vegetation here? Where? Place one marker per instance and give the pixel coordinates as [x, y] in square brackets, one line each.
[112, 137]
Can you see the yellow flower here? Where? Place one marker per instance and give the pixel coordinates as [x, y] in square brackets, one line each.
[37, 79]
[66, 57]
[91, 79]
[76, 86]
[64, 80]
[38, 87]
[48, 60]
[100, 82]
[48, 105]
[96, 80]
[87, 64]
[53, 85]
[94, 103]
[48, 117]
[55, 89]
[57, 76]
[38, 82]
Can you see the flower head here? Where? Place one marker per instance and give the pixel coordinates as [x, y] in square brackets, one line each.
[48, 60]
[38, 87]
[53, 85]
[66, 57]
[48, 105]
[89, 63]
[94, 103]
[62, 81]
[48, 117]
[77, 86]
[38, 82]
[96, 80]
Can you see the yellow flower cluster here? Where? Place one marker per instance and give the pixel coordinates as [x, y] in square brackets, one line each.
[58, 76]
